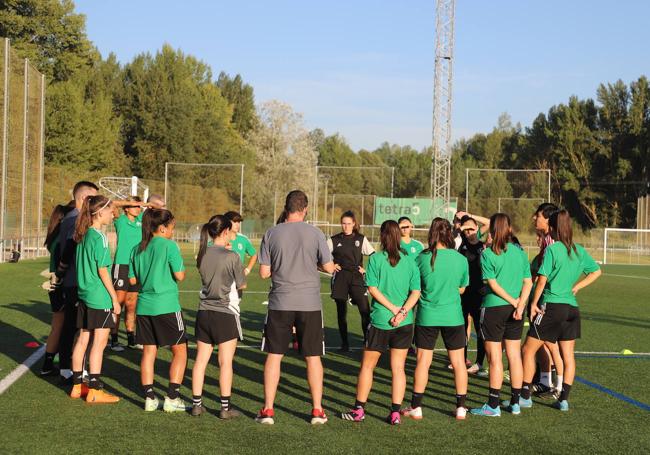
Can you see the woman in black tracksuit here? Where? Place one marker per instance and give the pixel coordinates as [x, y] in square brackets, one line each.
[348, 249]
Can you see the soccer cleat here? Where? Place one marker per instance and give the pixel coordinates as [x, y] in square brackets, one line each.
[486, 411]
[354, 415]
[473, 369]
[49, 371]
[412, 413]
[513, 409]
[151, 404]
[394, 418]
[506, 376]
[117, 347]
[461, 413]
[545, 392]
[136, 346]
[229, 414]
[561, 405]
[175, 405]
[198, 409]
[79, 391]
[318, 417]
[483, 373]
[265, 417]
[523, 403]
[99, 396]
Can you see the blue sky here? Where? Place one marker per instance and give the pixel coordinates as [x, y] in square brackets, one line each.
[365, 68]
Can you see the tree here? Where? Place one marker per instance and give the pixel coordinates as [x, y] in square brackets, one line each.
[242, 100]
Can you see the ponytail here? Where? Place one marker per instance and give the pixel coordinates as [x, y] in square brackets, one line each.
[561, 230]
[439, 232]
[151, 221]
[58, 213]
[90, 208]
[390, 240]
[211, 230]
[500, 231]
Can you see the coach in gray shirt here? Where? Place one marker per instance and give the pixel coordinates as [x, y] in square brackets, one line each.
[291, 254]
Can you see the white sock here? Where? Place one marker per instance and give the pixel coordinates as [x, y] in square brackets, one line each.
[559, 383]
[545, 378]
[66, 373]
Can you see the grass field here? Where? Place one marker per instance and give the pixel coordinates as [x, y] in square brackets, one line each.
[38, 416]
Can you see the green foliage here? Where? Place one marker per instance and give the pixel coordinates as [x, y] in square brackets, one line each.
[241, 99]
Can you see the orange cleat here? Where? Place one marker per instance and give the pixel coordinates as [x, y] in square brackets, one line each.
[99, 396]
[79, 391]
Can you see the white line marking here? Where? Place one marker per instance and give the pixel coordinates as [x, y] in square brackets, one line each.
[628, 276]
[21, 369]
[248, 292]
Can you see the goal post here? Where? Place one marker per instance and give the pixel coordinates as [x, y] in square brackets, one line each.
[123, 187]
[626, 246]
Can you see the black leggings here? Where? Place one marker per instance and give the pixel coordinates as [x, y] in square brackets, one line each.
[474, 310]
[360, 299]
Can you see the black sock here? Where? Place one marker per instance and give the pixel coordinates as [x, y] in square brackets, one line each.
[197, 400]
[493, 398]
[94, 382]
[395, 407]
[416, 400]
[460, 400]
[147, 389]
[566, 388]
[225, 403]
[130, 336]
[525, 391]
[48, 364]
[514, 397]
[77, 377]
[113, 338]
[359, 404]
[173, 391]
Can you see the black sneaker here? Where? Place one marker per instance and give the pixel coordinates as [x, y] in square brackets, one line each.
[49, 370]
[198, 409]
[543, 391]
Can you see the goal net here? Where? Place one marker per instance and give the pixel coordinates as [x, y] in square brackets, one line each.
[123, 187]
[194, 192]
[626, 246]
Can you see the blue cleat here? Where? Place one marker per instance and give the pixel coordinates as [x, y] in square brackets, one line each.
[486, 411]
[561, 405]
[513, 409]
[523, 403]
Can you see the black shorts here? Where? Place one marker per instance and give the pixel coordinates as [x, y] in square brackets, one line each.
[120, 274]
[498, 324]
[381, 340]
[91, 319]
[161, 330]
[71, 298]
[560, 322]
[455, 337]
[57, 300]
[346, 283]
[216, 327]
[278, 330]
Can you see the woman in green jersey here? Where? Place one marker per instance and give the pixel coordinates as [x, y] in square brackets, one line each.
[157, 266]
[506, 271]
[444, 274]
[557, 284]
[394, 284]
[98, 302]
[409, 245]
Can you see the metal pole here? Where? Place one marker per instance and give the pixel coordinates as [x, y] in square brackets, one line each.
[333, 198]
[5, 104]
[392, 180]
[25, 136]
[363, 209]
[605, 247]
[499, 205]
[314, 215]
[166, 175]
[466, 190]
[41, 153]
[275, 205]
[325, 204]
[549, 185]
[241, 191]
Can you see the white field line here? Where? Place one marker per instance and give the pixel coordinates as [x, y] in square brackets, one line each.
[21, 369]
[628, 276]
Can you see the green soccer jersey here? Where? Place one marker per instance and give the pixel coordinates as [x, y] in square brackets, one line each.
[154, 268]
[439, 304]
[395, 283]
[129, 234]
[93, 254]
[242, 246]
[562, 270]
[412, 249]
[509, 270]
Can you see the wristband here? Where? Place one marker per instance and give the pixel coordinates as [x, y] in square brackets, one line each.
[403, 311]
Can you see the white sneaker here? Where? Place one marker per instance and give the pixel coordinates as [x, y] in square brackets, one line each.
[266, 302]
[175, 405]
[65, 373]
[473, 369]
[461, 413]
[151, 404]
[413, 413]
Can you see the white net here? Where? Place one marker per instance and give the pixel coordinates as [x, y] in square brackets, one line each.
[626, 246]
[123, 187]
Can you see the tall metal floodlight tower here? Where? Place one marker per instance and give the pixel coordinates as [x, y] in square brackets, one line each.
[442, 98]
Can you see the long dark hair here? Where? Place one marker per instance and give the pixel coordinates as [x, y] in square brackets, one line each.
[350, 214]
[296, 201]
[561, 230]
[501, 232]
[211, 230]
[58, 213]
[390, 240]
[151, 221]
[91, 207]
[439, 232]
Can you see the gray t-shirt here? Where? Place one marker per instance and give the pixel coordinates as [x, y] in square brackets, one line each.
[222, 273]
[66, 232]
[294, 250]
